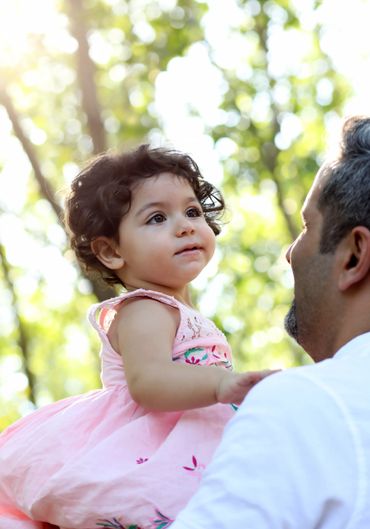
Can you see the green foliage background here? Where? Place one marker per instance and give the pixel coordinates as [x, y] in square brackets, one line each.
[270, 134]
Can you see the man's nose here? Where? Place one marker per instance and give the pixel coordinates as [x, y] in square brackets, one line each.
[288, 252]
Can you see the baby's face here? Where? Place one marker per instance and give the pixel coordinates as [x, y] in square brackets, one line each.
[164, 239]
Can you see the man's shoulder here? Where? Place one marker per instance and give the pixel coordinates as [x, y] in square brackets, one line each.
[294, 390]
[288, 378]
[316, 377]
[333, 392]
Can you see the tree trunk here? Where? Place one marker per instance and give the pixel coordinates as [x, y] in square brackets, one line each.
[86, 76]
[22, 338]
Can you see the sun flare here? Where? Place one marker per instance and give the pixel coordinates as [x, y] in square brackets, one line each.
[21, 21]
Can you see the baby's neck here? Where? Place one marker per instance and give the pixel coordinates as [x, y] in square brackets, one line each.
[182, 295]
[185, 298]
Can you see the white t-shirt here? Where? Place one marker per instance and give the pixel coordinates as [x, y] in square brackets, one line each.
[297, 453]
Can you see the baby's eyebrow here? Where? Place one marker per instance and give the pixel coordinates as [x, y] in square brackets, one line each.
[150, 205]
[162, 204]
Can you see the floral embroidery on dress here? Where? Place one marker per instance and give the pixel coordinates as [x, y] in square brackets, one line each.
[192, 356]
[162, 521]
[115, 524]
[141, 460]
[197, 468]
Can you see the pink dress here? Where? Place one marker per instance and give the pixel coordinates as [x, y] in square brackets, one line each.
[99, 459]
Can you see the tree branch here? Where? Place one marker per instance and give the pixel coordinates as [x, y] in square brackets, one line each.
[270, 151]
[45, 188]
[86, 76]
[22, 339]
[99, 288]
[269, 154]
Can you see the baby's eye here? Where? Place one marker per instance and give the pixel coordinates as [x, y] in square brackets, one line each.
[156, 219]
[194, 212]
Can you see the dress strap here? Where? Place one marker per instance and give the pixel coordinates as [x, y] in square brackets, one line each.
[153, 294]
[98, 312]
[100, 315]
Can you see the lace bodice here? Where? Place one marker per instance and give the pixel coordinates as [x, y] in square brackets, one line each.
[198, 341]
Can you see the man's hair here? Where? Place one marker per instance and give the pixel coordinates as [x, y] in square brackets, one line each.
[101, 195]
[345, 198]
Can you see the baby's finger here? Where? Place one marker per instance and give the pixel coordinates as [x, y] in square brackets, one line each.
[252, 377]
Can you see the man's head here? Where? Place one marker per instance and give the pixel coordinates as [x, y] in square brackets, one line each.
[345, 199]
[331, 257]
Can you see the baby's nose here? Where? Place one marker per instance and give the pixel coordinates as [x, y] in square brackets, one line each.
[184, 228]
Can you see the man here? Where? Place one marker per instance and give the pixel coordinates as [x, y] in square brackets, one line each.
[297, 453]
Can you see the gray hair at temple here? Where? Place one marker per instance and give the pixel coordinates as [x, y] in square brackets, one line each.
[344, 201]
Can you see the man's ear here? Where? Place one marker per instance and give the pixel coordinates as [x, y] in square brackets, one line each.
[107, 251]
[355, 263]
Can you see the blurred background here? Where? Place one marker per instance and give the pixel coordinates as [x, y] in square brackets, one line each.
[254, 90]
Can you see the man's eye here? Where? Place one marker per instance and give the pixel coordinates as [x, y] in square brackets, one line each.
[194, 212]
[156, 219]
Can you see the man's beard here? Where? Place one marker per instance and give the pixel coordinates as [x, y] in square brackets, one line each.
[290, 322]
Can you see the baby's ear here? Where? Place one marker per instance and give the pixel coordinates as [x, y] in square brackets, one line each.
[107, 251]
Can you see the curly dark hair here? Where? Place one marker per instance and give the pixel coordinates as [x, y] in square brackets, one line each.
[345, 198]
[101, 193]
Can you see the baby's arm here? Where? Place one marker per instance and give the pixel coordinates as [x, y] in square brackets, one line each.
[145, 331]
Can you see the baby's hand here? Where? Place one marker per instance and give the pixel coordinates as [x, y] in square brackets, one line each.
[233, 387]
